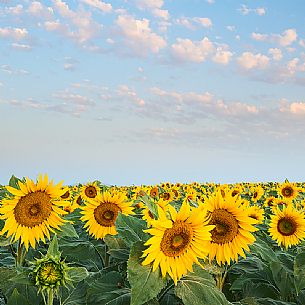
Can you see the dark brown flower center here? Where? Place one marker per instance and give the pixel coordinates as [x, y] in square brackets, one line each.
[287, 226]
[226, 226]
[287, 191]
[176, 240]
[33, 209]
[91, 191]
[106, 213]
[65, 195]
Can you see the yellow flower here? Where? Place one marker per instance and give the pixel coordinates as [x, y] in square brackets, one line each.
[287, 226]
[33, 211]
[90, 191]
[178, 242]
[99, 214]
[288, 190]
[233, 228]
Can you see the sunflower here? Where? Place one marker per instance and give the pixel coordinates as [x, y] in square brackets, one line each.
[67, 195]
[233, 227]
[257, 193]
[100, 213]
[33, 211]
[257, 213]
[90, 190]
[287, 226]
[288, 190]
[178, 242]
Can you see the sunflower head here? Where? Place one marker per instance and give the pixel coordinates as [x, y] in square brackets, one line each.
[178, 241]
[100, 214]
[33, 210]
[288, 190]
[287, 226]
[233, 227]
[50, 273]
[90, 191]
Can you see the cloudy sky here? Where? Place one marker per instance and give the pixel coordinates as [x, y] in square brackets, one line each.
[144, 91]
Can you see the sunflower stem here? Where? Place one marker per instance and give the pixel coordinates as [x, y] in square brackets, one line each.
[13, 251]
[20, 255]
[221, 278]
[50, 297]
[107, 257]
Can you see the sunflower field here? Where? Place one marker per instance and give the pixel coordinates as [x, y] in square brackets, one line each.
[166, 244]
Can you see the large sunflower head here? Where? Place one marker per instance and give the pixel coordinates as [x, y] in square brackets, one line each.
[288, 190]
[178, 242]
[233, 228]
[33, 210]
[100, 213]
[90, 190]
[287, 226]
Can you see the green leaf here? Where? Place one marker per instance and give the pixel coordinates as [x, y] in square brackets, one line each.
[77, 296]
[153, 208]
[108, 290]
[5, 241]
[282, 278]
[67, 230]
[53, 249]
[17, 299]
[131, 229]
[14, 182]
[6, 273]
[77, 274]
[22, 278]
[263, 250]
[145, 284]
[299, 272]
[199, 288]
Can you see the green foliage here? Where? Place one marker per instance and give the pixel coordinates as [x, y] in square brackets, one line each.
[145, 284]
[199, 288]
[130, 229]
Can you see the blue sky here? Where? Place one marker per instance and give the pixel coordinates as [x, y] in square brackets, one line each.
[145, 91]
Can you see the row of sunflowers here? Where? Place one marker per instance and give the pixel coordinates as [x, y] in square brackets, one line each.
[196, 243]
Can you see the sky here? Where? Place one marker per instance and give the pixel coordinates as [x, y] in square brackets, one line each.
[147, 91]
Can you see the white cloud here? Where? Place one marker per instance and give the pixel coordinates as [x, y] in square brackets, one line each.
[9, 70]
[222, 56]
[14, 10]
[259, 37]
[210, 1]
[246, 10]
[38, 10]
[302, 43]
[205, 22]
[138, 36]
[125, 92]
[275, 53]
[85, 27]
[104, 7]
[297, 108]
[194, 51]
[13, 33]
[192, 23]
[249, 61]
[285, 39]
[230, 28]
[154, 6]
[22, 47]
